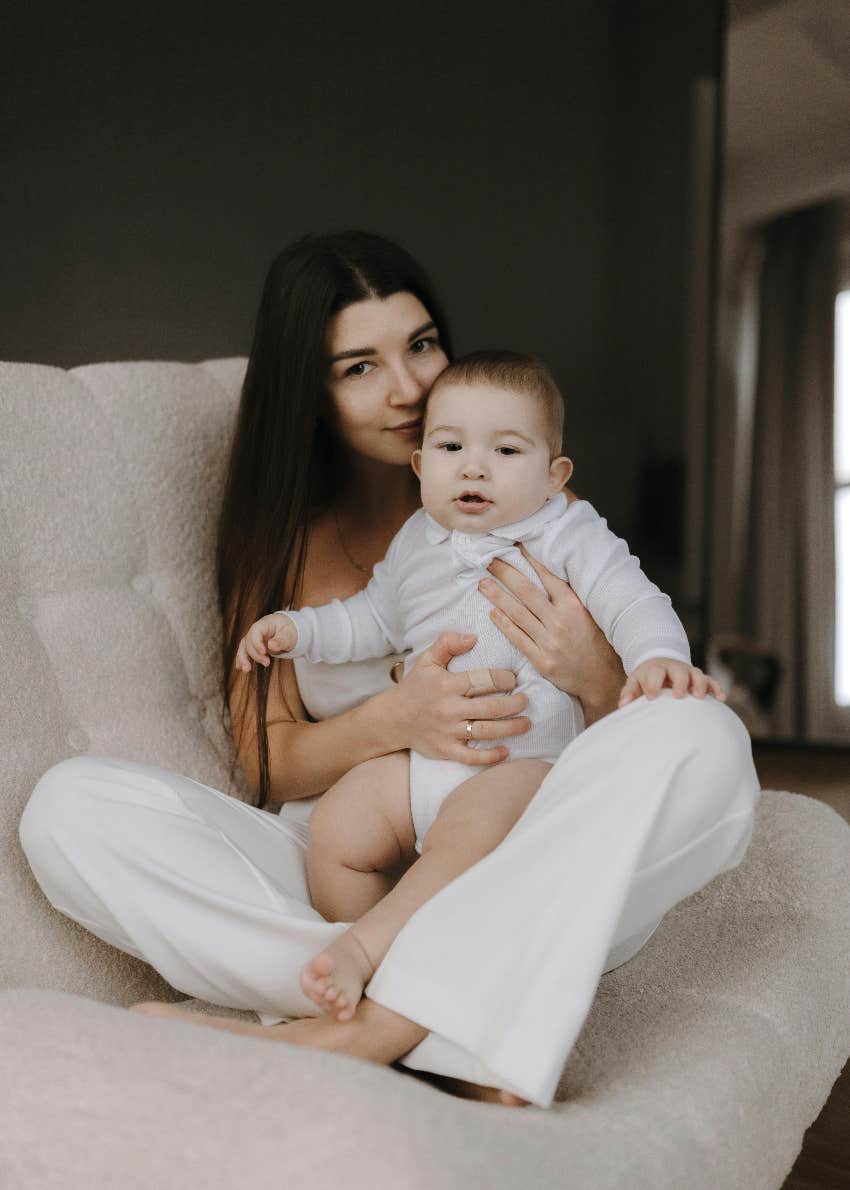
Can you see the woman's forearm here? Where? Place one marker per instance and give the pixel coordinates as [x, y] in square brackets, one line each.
[602, 693]
[307, 758]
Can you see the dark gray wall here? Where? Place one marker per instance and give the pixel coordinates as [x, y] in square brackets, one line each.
[160, 156]
[661, 50]
[161, 160]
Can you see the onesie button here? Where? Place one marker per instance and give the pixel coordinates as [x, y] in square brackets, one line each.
[77, 739]
[464, 538]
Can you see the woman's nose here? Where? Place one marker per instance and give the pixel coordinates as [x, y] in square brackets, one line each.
[406, 388]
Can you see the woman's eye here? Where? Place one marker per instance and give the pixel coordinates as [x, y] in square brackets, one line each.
[358, 368]
[423, 345]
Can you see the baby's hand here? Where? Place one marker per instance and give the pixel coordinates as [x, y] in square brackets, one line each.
[652, 676]
[272, 634]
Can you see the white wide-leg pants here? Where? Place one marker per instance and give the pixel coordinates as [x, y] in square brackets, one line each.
[641, 810]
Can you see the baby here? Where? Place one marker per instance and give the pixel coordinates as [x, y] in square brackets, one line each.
[491, 476]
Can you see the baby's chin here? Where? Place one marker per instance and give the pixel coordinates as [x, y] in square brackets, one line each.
[451, 517]
[477, 520]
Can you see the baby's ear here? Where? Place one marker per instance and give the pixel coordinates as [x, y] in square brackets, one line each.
[416, 463]
[560, 470]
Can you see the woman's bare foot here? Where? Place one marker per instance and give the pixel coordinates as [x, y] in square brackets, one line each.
[463, 1090]
[324, 1033]
[207, 1020]
[335, 978]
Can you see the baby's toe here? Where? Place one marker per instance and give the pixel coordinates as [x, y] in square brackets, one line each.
[313, 986]
[322, 964]
[343, 1010]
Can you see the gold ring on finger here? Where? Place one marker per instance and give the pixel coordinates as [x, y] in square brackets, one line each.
[468, 726]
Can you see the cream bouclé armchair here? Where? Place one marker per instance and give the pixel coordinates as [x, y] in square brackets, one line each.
[704, 1058]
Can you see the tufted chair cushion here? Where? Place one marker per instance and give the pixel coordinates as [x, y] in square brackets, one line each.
[110, 484]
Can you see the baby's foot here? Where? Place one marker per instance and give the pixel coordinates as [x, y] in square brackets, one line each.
[336, 977]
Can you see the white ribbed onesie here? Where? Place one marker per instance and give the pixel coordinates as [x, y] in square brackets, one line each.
[428, 584]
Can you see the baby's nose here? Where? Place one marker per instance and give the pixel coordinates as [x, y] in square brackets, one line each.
[473, 467]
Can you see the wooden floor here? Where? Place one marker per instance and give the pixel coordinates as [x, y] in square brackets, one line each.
[818, 772]
[822, 773]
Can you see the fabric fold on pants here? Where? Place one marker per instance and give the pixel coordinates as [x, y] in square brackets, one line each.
[641, 810]
[602, 851]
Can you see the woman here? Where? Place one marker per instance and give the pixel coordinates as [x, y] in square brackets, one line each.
[644, 808]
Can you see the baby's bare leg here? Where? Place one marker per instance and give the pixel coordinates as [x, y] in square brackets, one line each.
[472, 821]
[361, 833]
[361, 838]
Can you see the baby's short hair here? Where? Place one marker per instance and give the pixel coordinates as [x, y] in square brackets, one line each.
[518, 373]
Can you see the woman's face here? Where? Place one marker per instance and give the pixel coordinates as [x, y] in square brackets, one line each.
[385, 354]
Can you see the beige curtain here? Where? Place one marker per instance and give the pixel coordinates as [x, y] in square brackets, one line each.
[773, 551]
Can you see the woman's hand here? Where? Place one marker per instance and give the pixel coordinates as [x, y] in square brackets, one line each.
[556, 632]
[431, 706]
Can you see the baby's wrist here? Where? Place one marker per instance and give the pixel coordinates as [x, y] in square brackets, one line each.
[287, 626]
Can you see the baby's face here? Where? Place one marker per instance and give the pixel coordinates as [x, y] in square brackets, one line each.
[485, 460]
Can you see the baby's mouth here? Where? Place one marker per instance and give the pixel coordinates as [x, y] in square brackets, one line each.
[472, 500]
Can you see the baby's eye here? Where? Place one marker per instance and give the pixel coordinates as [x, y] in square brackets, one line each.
[353, 370]
[450, 446]
[511, 450]
[423, 345]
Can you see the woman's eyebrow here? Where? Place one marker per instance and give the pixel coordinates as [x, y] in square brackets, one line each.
[354, 352]
[420, 330]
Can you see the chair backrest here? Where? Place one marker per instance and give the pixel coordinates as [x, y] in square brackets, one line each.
[111, 478]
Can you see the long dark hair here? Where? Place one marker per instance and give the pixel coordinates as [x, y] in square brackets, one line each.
[285, 463]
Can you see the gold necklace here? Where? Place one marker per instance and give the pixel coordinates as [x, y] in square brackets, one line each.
[356, 565]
